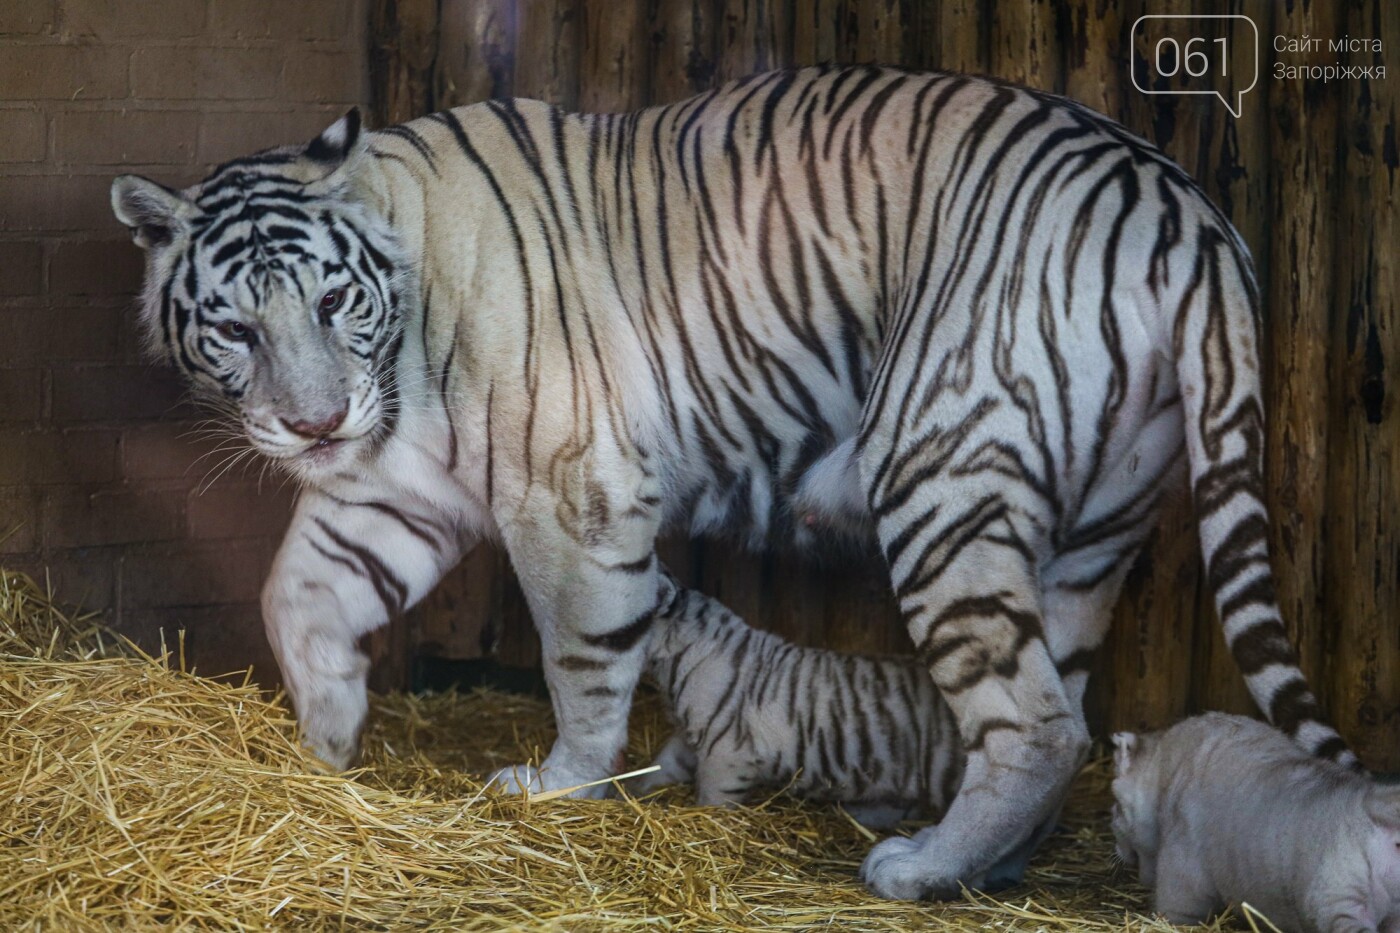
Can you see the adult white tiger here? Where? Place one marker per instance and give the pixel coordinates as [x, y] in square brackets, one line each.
[997, 308]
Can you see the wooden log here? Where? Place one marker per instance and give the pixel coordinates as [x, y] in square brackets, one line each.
[964, 36]
[613, 66]
[1362, 554]
[403, 45]
[684, 46]
[921, 40]
[756, 35]
[1025, 43]
[819, 32]
[476, 49]
[547, 55]
[879, 32]
[1143, 674]
[1092, 57]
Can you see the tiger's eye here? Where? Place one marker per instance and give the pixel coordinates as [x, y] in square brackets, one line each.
[331, 302]
[236, 331]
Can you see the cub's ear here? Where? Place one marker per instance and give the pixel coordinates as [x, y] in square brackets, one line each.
[153, 213]
[1125, 746]
[1383, 805]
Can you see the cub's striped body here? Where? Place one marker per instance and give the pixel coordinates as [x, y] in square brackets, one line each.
[753, 711]
[996, 313]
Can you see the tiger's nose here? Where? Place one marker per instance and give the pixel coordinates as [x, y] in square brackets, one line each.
[316, 430]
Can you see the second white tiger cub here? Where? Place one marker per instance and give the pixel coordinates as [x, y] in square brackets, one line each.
[754, 711]
[1219, 810]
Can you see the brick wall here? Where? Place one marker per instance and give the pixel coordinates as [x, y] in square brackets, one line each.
[101, 485]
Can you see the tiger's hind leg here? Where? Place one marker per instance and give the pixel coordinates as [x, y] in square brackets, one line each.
[968, 589]
[1011, 870]
[1079, 593]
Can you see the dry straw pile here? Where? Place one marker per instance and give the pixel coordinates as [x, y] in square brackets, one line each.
[136, 795]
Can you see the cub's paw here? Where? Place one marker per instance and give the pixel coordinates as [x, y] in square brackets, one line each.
[674, 764]
[899, 869]
[649, 783]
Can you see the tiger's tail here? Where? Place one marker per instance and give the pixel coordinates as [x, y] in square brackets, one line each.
[1215, 344]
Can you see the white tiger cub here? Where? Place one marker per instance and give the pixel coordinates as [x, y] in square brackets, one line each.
[754, 711]
[1219, 810]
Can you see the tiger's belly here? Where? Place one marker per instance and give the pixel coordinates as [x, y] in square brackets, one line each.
[772, 478]
[780, 481]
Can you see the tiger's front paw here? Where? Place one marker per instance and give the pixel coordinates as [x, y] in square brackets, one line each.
[516, 779]
[900, 869]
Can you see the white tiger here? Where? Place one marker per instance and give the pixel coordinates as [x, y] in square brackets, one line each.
[1000, 312]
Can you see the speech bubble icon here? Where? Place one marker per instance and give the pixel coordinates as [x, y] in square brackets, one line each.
[1188, 63]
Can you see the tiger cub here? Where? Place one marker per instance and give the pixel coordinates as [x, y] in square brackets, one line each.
[1219, 810]
[754, 711]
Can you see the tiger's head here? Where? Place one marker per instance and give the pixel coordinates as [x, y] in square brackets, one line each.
[276, 289]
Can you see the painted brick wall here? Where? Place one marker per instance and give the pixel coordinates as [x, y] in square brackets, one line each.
[101, 485]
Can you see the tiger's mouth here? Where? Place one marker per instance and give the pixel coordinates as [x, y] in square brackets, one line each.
[312, 458]
[324, 450]
[290, 444]
[320, 458]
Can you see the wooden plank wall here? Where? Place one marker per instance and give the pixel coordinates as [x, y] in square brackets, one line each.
[1307, 173]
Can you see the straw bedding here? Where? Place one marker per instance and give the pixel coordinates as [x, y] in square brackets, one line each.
[137, 795]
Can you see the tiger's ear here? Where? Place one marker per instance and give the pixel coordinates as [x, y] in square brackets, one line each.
[153, 213]
[336, 141]
[334, 153]
[1125, 745]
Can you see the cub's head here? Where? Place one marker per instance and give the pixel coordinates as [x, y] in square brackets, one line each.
[1135, 789]
[274, 287]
